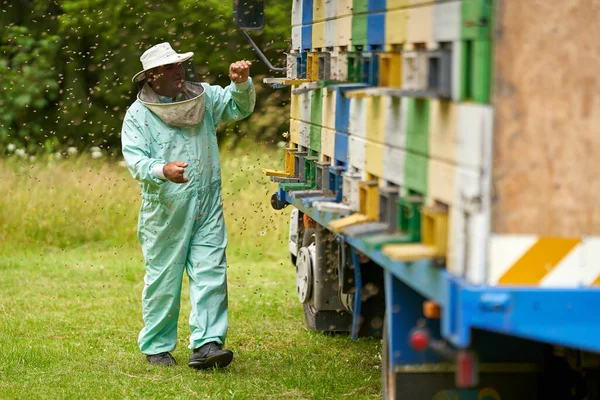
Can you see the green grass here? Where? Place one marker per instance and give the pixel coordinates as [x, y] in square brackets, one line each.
[71, 275]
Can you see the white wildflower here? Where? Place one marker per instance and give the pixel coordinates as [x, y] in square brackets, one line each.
[72, 151]
[96, 154]
[95, 149]
[122, 163]
[11, 147]
[21, 153]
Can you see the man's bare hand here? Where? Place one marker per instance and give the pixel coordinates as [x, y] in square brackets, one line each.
[174, 171]
[239, 71]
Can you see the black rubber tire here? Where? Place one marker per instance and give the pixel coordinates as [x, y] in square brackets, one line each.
[293, 258]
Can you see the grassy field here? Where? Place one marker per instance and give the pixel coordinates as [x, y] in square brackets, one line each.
[71, 276]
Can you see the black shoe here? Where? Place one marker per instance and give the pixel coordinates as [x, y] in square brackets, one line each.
[165, 359]
[210, 355]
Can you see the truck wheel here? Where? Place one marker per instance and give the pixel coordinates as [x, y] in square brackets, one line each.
[388, 377]
[324, 320]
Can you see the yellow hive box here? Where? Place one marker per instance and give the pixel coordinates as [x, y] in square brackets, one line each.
[390, 70]
[344, 7]
[374, 159]
[420, 25]
[376, 119]
[295, 106]
[443, 123]
[295, 131]
[394, 4]
[329, 104]
[369, 199]
[318, 10]
[318, 35]
[328, 142]
[396, 26]
[344, 31]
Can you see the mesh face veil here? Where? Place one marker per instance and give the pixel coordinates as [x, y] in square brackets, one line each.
[174, 93]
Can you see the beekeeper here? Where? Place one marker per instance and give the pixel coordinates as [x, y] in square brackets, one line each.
[170, 146]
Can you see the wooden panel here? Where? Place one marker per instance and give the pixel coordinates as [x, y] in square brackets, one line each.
[339, 66]
[305, 106]
[295, 131]
[297, 12]
[350, 190]
[443, 124]
[331, 9]
[392, 4]
[375, 117]
[420, 24]
[546, 141]
[396, 25]
[446, 21]
[328, 142]
[456, 69]
[304, 134]
[295, 107]
[344, 7]
[356, 152]
[360, 6]
[414, 70]
[395, 122]
[393, 165]
[390, 70]
[329, 35]
[358, 117]
[318, 10]
[329, 109]
[344, 31]
[442, 182]
[474, 134]
[318, 33]
[296, 38]
[374, 159]
[415, 172]
[291, 66]
[359, 29]
[417, 126]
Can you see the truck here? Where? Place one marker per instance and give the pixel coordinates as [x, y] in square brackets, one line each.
[441, 173]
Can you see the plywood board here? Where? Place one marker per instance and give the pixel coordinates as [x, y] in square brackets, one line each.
[546, 162]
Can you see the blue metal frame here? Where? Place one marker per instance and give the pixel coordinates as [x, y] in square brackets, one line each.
[564, 317]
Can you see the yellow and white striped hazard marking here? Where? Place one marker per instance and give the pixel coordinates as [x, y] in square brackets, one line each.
[521, 260]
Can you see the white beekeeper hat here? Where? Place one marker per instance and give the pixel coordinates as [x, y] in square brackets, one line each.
[160, 54]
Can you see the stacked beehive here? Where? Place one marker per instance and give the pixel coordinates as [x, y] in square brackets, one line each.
[396, 94]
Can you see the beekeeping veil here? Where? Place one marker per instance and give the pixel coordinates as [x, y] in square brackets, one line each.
[187, 107]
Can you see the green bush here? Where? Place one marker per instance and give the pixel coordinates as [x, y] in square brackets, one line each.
[66, 66]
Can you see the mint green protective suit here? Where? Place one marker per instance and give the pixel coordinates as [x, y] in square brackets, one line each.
[181, 225]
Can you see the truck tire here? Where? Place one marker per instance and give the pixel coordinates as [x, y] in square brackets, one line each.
[324, 320]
